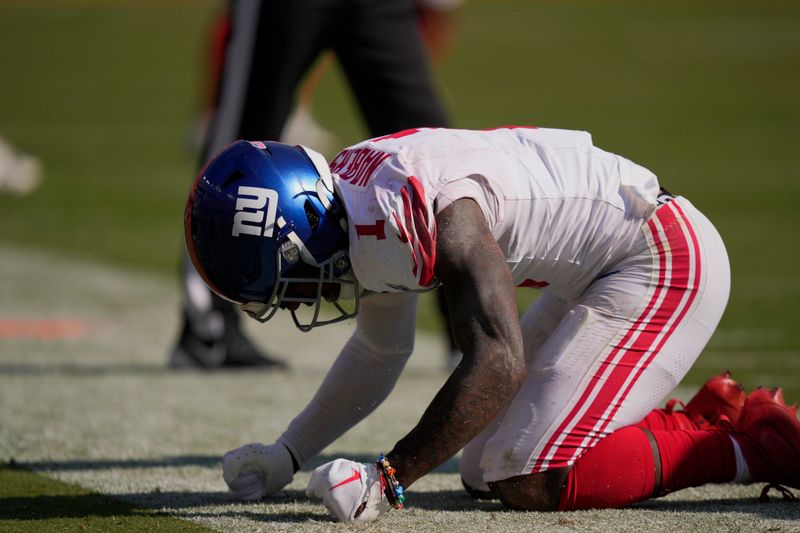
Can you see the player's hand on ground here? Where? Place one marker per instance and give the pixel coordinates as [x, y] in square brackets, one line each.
[256, 470]
[351, 491]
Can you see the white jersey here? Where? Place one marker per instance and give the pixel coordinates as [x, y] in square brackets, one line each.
[562, 211]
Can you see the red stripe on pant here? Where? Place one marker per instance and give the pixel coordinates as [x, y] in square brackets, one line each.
[623, 364]
[593, 384]
[678, 244]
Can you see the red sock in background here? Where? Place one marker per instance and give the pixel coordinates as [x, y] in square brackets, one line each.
[620, 469]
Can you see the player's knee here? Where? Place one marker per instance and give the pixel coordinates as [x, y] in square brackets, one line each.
[532, 492]
[478, 494]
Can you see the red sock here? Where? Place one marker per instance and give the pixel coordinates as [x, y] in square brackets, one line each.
[662, 419]
[618, 471]
[692, 458]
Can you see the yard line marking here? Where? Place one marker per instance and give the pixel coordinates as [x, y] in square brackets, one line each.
[43, 329]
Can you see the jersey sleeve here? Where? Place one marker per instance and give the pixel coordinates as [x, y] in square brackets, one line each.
[392, 229]
[475, 187]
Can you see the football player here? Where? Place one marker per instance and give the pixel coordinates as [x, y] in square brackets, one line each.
[556, 410]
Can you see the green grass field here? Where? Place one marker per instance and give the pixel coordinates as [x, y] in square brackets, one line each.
[105, 94]
[28, 502]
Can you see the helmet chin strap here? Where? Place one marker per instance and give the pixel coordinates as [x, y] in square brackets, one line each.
[324, 171]
[325, 184]
[305, 255]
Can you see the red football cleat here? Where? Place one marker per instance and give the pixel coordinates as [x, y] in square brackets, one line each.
[721, 396]
[768, 433]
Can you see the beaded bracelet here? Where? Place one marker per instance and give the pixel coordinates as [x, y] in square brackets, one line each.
[394, 491]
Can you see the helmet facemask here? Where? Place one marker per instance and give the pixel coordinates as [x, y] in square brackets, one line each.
[318, 280]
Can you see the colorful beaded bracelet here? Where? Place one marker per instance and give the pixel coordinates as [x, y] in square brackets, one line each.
[394, 491]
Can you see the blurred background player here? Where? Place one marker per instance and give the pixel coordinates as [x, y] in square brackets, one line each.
[438, 21]
[264, 49]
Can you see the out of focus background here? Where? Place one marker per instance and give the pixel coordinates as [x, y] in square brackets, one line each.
[107, 96]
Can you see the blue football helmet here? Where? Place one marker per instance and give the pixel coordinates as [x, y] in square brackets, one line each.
[262, 216]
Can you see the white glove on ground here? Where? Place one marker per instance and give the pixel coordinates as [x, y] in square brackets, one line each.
[255, 470]
[351, 491]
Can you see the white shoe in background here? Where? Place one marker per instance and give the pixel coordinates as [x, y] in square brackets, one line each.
[301, 128]
[20, 174]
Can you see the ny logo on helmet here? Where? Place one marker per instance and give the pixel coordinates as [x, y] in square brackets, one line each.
[250, 217]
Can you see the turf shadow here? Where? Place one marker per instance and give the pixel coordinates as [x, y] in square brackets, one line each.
[272, 518]
[187, 504]
[87, 369]
[209, 461]
[437, 500]
[261, 510]
[63, 506]
[82, 369]
[451, 500]
[776, 508]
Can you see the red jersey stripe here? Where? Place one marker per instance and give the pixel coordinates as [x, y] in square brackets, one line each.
[426, 249]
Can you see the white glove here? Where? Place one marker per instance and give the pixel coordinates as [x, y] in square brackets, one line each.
[255, 470]
[350, 490]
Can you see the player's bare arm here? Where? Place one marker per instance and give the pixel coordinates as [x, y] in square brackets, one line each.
[484, 318]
